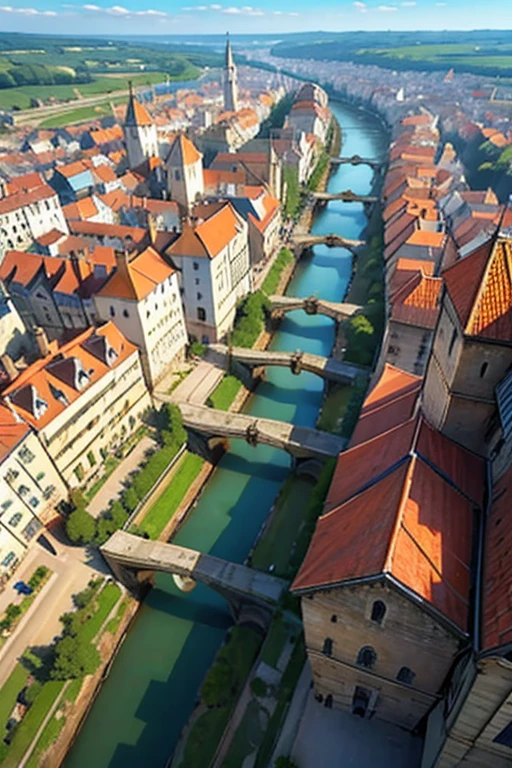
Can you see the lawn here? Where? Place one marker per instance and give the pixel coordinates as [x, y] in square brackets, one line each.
[277, 543]
[79, 115]
[115, 621]
[225, 392]
[9, 694]
[20, 97]
[165, 507]
[32, 722]
[104, 602]
[274, 641]
[248, 735]
[271, 281]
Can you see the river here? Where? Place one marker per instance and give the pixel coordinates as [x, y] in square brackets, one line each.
[153, 684]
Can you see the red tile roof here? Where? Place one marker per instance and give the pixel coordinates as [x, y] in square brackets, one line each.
[208, 238]
[480, 287]
[11, 431]
[137, 277]
[21, 199]
[417, 302]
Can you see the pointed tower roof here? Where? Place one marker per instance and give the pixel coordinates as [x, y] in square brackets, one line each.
[183, 152]
[229, 53]
[136, 114]
[480, 287]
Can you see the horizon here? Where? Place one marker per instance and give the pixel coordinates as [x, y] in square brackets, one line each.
[142, 17]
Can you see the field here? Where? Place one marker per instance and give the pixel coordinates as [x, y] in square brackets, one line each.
[494, 59]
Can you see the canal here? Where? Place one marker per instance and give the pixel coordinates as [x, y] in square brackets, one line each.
[153, 684]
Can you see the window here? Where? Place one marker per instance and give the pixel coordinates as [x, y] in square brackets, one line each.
[15, 519]
[505, 736]
[34, 501]
[177, 175]
[327, 649]
[366, 657]
[112, 312]
[91, 458]
[201, 313]
[328, 701]
[334, 618]
[26, 455]
[452, 342]
[23, 491]
[8, 559]
[39, 476]
[378, 611]
[483, 369]
[126, 313]
[360, 701]
[195, 266]
[199, 296]
[405, 675]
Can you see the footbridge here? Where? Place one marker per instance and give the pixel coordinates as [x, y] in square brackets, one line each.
[331, 241]
[326, 367]
[279, 305]
[358, 160]
[252, 595]
[206, 425]
[346, 197]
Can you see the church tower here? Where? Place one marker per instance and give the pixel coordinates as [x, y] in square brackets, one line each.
[184, 165]
[230, 81]
[139, 133]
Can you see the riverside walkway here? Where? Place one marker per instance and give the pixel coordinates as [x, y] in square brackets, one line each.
[279, 305]
[300, 442]
[326, 367]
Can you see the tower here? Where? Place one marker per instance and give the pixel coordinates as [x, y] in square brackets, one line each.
[139, 133]
[184, 165]
[230, 81]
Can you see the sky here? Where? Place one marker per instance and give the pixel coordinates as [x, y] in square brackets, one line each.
[166, 17]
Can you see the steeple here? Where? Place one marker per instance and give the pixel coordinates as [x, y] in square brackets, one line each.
[230, 80]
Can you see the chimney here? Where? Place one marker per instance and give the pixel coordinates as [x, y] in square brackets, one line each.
[42, 342]
[9, 367]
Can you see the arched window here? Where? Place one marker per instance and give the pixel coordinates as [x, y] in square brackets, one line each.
[367, 657]
[405, 675]
[378, 611]
[483, 369]
[327, 649]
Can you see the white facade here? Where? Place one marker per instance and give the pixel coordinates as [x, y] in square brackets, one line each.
[140, 134]
[26, 217]
[184, 166]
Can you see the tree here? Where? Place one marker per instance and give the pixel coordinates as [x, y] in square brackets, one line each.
[118, 514]
[32, 692]
[217, 685]
[81, 527]
[285, 762]
[130, 499]
[74, 658]
[359, 333]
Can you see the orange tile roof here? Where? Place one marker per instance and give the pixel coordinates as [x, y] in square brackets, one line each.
[418, 301]
[392, 401]
[24, 183]
[72, 169]
[136, 277]
[104, 172]
[480, 287]
[427, 267]
[21, 199]
[497, 577]
[426, 238]
[83, 209]
[11, 431]
[183, 152]
[48, 376]
[137, 114]
[210, 237]
[99, 230]
[400, 506]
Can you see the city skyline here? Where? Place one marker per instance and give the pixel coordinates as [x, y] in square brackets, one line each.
[146, 17]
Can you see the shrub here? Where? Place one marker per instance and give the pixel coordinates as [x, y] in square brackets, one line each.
[196, 349]
[32, 692]
[38, 576]
[83, 598]
[258, 686]
[360, 336]
[216, 688]
[130, 499]
[354, 406]
[81, 527]
[74, 658]
[250, 320]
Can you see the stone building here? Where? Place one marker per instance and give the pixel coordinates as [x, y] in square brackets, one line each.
[184, 165]
[140, 133]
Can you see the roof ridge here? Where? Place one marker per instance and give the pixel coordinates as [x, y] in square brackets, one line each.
[481, 286]
[388, 564]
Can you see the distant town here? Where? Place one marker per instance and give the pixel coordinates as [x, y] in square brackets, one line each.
[256, 335]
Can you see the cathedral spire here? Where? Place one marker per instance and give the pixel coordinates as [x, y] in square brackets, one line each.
[230, 80]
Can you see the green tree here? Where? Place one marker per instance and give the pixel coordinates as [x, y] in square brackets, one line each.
[360, 334]
[80, 527]
[130, 499]
[32, 692]
[217, 684]
[118, 514]
[74, 658]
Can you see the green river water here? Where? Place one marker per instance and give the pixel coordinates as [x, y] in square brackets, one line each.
[153, 684]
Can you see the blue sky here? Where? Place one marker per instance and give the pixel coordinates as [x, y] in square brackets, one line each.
[270, 16]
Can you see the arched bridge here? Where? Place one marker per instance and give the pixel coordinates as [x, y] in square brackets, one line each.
[357, 160]
[300, 442]
[331, 241]
[346, 197]
[251, 594]
[326, 367]
[312, 306]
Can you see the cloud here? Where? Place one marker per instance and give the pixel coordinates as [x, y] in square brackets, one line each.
[387, 8]
[361, 7]
[26, 11]
[235, 10]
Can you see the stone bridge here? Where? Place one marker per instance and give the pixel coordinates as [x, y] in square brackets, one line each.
[279, 305]
[358, 160]
[252, 595]
[330, 240]
[326, 367]
[309, 447]
[346, 197]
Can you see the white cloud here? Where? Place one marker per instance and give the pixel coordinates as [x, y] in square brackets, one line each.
[361, 7]
[409, 4]
[387, 8]
[235, 10]
[26, 11]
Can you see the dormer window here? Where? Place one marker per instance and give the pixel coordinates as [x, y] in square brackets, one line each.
[82, 378]
[59, 395]
[40, 407]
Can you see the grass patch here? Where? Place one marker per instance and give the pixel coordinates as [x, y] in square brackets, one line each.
[247, 736]
[9, 694]
[166, 506]
[31, 723]
[317, 175]
[113, 624]
[45, 741]
[111, 463]
[236, 658]
[334, 409]
[274, 641]
[271, 282]
[79, 115]
[225, 392]
[276, 545]
[14, 613]
[105, 602]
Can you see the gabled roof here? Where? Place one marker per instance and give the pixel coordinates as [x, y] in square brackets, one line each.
[136, 114]
[22, 199]
[183, 152]
[417, 302]
[401, 505]
[209, 237]
[480, 287]
[137, 277]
